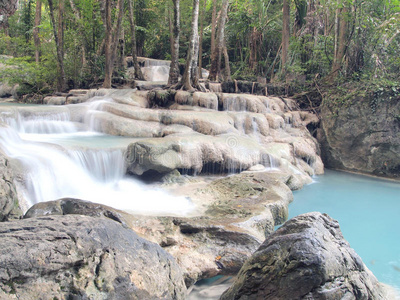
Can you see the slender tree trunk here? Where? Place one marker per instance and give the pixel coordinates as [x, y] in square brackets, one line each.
[111, 40]
[61, 85]
[107, 46]
[213, 29]
[341, 43]
[216, 58]
[253, 49]
[285, 34]
[138, 71]
[174, 67]
[203, 12]
[190, 77]
[36, 38]
[227, 67]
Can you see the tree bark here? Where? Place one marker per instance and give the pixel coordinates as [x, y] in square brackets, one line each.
[285, 34]
[217, 56]
[340, 45]
[138, 71]
[111, 40]
[201, 39]
[36, 38]
[174, 67]
[107, 46]
[190, 77]
[227, 67]
[213, 27]
[61, 84]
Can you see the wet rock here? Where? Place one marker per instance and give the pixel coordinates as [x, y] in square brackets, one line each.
[307, 258]
[9, 204]
[82, 257]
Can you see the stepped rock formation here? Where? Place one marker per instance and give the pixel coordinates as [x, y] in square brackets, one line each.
[194, 133]
[81, 257]
[307, 258]
[364, 136]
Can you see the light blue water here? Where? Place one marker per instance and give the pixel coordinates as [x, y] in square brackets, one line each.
[368, 211]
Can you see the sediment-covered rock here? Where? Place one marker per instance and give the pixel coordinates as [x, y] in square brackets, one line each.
[81, 257]
[363, 136]
[307, 258]
[235, 214]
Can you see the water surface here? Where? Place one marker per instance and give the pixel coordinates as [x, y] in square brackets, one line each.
[368, 210]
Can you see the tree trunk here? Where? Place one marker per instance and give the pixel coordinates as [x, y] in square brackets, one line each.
[138, 71]
[190, 77]
[111, 40]
[227, 67]
[213, 27]
[107, 46]
[217, 56]
[174, 67]
[61, 85]
[203, 12]
[285, 34]
[36, 38]
[340, 45]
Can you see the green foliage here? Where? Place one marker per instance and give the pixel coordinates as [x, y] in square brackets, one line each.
[253, 39]
[31, 77]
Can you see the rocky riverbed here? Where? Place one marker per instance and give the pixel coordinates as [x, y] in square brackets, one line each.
[90, 250]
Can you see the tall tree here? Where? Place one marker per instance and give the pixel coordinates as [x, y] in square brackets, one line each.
[174, 67]
[138, 71]
[61, 82]
[190, 77]
[213, 28]
[203, 11]
[111, 39]
[36, 38]
[340, 40]
[285, 34]
[217, 54]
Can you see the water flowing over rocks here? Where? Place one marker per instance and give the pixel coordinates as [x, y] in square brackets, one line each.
[172, 133]
[82, 257]
[363, 136]
[307, 258]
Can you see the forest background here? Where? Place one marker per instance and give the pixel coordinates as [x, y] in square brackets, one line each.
[310, 43]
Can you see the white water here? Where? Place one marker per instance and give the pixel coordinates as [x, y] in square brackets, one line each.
[60, 160]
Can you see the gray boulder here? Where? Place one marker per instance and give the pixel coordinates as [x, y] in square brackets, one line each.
[82, 257]
[9, 205]
[362, 136]
[307, 258]
[70, 206]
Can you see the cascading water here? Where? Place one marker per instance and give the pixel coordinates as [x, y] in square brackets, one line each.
[58, 161]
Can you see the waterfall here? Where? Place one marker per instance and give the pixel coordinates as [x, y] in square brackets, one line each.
[57, 161]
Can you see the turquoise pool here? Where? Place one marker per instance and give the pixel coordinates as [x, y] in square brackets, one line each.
[368, 210]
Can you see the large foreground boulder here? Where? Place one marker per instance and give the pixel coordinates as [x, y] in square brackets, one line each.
[307, 258]
[82, 257]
